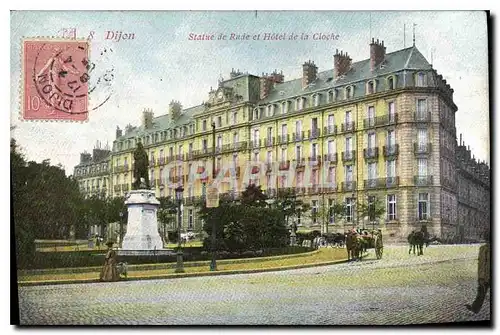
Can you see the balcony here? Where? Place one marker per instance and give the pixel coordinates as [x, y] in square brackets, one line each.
[283, 139]
[161, 161]
[120, 168]
[391, 150]
[422, 180]
[423, 116]
[381, 182]
[300, 190]
[330, 130]
[117, 188]
[383, 120]
[255, 143]
[299, 162]
[422, 148]
[174, 179]
[269, 141]
[315, 189]
[348, 156]
[330, 187]
[179, 157]
[189, 201]
[347, 127]
[269, 166]
[314, 133]
[370, 153]
[284, 165]
[348, 186]
[234, 146]
[314, 160]
[331, 158]
[299, 136]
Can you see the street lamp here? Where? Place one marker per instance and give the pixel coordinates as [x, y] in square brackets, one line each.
[180, 264]
[213, 263]
[121, 229]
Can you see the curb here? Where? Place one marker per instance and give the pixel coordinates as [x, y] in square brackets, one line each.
[180, 275]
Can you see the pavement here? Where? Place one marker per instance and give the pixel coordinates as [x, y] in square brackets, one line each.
[397, 290]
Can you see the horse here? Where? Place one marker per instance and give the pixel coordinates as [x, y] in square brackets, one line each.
[416, 239]
[379, 245]
[354, 246]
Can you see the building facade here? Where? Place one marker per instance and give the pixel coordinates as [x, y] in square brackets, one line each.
[381, 128]
[93, 172]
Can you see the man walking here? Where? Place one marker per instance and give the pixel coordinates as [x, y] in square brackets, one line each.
[483, 276]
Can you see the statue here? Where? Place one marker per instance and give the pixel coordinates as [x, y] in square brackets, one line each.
[141, 175]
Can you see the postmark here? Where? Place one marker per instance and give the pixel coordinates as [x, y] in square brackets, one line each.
[55, 83]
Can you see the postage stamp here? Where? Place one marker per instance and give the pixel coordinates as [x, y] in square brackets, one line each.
[55, 79]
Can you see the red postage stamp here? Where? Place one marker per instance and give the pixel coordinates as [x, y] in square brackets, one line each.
[55, 75]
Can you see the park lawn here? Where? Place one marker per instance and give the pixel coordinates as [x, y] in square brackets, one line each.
[85, 247]
[323, 255]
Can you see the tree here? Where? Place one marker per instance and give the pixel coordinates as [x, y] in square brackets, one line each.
[372, 208]
[253, 196]
[326, 212]
[291, 207]
[166, 215]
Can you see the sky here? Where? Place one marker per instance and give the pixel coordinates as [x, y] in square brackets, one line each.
[161, 64]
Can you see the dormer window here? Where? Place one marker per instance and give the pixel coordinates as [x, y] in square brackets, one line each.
[191, 129]
[256, 113]
[175, 133]
[349, 92]
[204, 125]
[420, 79]
[331, 96]
[270, 110]
[391, 83]
[316, 99]
[370, 87]
[300, 103]
[184, 131]
[284, 107]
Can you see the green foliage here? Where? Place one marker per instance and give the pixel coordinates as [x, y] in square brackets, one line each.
[291, 207]
[374, 210]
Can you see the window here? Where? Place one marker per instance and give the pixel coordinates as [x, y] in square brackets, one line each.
[204, 125]
[190, 148]
[190, 219]
[316, 100]
[299, 104]
[370, 87]
[371, 116]
[392, 112]
[422, 167]
[423, 206]
[235, 118]
[371, 141]
[298, 127]
[125, 160]
[332, 176]
[284, 107]
[255, 113]
[161, 176]
[331, 147]
[422, 138]
[152, 175]
[348, 173]
[421, 108]
[314, 210]
[314, 150]
[391, 139]
[269, 157]
[255, 156]
[204, 145]
[331, 121]
[348, 119]
[283, 155]
[300, 179]
[371, 208]
[348, 92]
[269, 133]
[420, 79]
[372, 171]
[270, 110]
[391, 169]
[219, 121]
[191, 129]
[297, 153]
[391, 207]
[349, 209]
[331, 213]
[348, 145]
[219, 142]
[390, 83]
[284, 130]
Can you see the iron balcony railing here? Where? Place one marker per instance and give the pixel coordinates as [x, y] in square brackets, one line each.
[269, 141]
[314, 133]
[283, 139]
[423, 180]
[298, 136]
[391, 150]
[348, 186]
[331, 158]
[347, 127]
[423, 116]
[330, 130]
[299, 162]
[382, 120]
[284, 165]
[314, 160]
[255, 143]
[348, 156]
[381, 182]
[370, 153]
[422, 148]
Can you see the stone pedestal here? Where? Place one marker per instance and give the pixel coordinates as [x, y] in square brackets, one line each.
[142, 226]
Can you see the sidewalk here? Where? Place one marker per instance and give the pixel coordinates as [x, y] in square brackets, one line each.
[321, 257]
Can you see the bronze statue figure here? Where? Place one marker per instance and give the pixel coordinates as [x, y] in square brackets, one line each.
[141, 175]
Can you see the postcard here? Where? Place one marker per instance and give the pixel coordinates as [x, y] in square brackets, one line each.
[250, 168]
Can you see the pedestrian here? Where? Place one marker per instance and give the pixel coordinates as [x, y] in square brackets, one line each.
[109, 271]
[483, 275]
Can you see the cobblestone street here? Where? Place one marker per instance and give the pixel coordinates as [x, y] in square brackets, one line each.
[399, 289]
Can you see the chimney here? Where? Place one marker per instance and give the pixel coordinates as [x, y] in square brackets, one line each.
[342, 64]
[309, 73]
[119, 132]
[174, 109]
[147, 118]
[266, 84]
[377, 53]
[85, 157]
[234, 73]
[277, 78]
[460, 139]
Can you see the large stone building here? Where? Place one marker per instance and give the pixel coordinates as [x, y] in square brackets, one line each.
[93, 172]
[381, 128]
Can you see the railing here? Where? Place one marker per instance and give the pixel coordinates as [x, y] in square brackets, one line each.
[382, 120]
[161, 160]
[314, 133]
[269, 141]
[347, 127]
[422, 180]
[179, 157]
[174, 179]
[330, 130]
[332, 158]
[269, 166]
[189, 201]
[348, 186]
[300, 162]
[234, 146]
[422, 148]
[332, 187]
[298, 136]
[423, 116]
[315, 189]
[392, 150]
[284, 165]
[283, 139]
[255, 143]
[314, 160]
[120, 168]
[370, 153]
[381, 182]
[348, 155]
[300, 190]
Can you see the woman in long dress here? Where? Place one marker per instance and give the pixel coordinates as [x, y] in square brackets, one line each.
[109, 271]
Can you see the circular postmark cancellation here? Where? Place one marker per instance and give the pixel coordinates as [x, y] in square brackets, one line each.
[59, 78]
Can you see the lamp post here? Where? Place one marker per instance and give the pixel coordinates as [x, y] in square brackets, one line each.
[213, 263]
[121, 229]
[180, 264]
